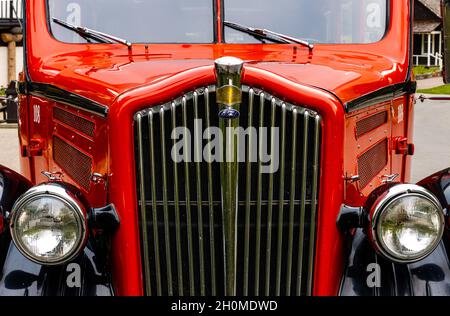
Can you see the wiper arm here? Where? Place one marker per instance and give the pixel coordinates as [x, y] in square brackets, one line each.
[267, 34]
[96, 35]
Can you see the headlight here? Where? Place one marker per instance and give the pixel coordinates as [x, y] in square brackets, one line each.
[407, 223]
[48, 225]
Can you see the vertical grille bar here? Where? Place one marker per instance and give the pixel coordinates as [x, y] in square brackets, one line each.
[312, 231]
[166, 204]
[303, 202]
[259, 198]
[281, 199]
[155, 208]
[248, 192]
[210, 198]
[270, 200]
[188, 202]
[143, 212]
[291, 203]
[198, 157]
[177, 209]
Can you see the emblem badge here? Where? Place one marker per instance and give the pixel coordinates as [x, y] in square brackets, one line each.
[229, 114]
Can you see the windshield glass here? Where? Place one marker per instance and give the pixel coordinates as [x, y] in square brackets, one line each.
[317, 21]
[137, 21]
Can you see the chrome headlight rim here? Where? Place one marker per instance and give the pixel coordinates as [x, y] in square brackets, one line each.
[58, 192]
[389, 197]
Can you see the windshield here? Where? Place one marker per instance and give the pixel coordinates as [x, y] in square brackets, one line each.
[193, 21]
[137, 21]
[316, 21]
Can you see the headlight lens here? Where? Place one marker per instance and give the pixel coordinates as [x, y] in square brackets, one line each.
[409, 226]
[48, 226]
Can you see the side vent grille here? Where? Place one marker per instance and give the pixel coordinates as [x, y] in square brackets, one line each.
[370, 123]
[372, 162]
[75, 163]
[80, 124]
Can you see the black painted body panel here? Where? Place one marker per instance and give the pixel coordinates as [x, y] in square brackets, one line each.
[12, 185]
[429, 277]
[22, 277]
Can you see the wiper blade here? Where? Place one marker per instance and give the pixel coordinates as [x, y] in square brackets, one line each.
[269, 35]
[96, 35]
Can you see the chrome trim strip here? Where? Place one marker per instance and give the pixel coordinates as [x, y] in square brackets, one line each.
[188, 203]
[59, 95]
[270, 201]
[177, 211]
[166, 206]
[248, 192]
[291, 203]
[314, 197]
[259, 199]
[210, 198]
[303, 205]
[199, 202]
[143, 209]
[154, 206]
[281, 198]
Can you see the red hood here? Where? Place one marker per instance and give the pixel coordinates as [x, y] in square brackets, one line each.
[102, 75]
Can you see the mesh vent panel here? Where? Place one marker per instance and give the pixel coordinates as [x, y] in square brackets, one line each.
[75, 163]
[372, 162]
[84, 126]
[372, 122]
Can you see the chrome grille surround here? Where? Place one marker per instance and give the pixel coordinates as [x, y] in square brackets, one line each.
[276, 230]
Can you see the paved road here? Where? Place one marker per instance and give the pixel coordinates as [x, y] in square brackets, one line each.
[9, 148]
[430, 83]
[432, 140]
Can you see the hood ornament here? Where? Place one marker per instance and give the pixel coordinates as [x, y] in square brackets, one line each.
[229, 98]
[229, 88]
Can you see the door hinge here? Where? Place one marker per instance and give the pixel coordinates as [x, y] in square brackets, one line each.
[34, 148]
[401, 146]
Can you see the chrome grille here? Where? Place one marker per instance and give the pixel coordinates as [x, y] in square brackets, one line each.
[180, 207]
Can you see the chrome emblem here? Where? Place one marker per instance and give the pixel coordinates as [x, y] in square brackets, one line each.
[229, 114]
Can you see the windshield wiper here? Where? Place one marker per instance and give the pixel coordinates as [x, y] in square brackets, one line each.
[269, 35]
[92, 34]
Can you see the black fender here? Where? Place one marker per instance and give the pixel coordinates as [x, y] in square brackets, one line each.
[439, 184]
[86, 275]
[12, 185]
[428, 277]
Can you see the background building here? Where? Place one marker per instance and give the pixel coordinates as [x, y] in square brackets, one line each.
[11, 52]
[427, 33]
